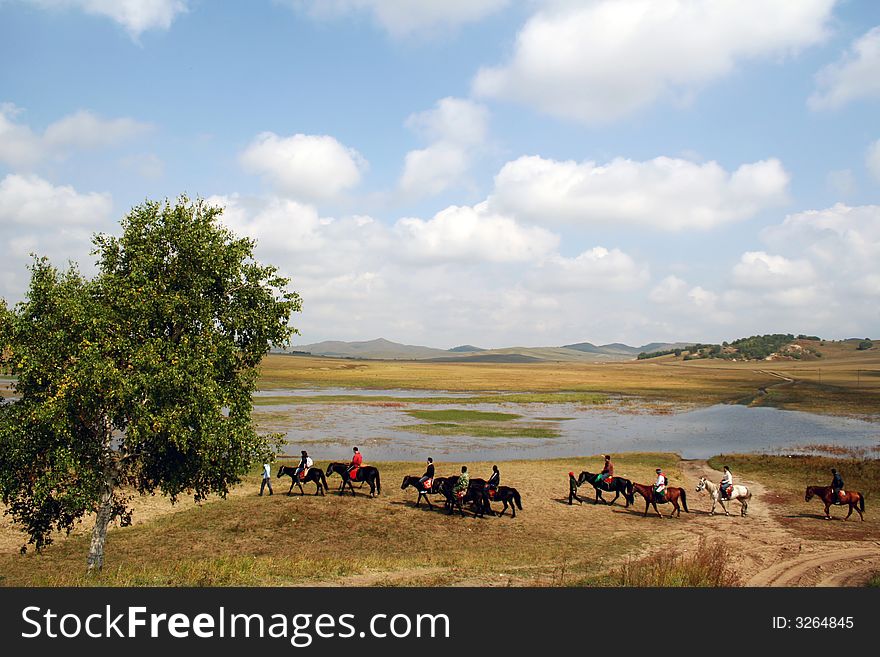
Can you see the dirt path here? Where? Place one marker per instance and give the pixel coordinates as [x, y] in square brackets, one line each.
[769, 554]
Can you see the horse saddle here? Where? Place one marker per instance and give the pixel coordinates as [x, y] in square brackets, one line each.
[726, 491]
[428, 485]
[352, 474]
[303, 473]
[841, 494]
[492, 493]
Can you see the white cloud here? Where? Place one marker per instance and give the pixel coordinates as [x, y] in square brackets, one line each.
[21, 147]
[872, 160]
[457, 128]
[136, 16]
[598, 269]
[665, 193]
[670, 290]
[304, 166]
[47, 220]
[33, 201]
[452, 120]
[757, 269]
[843, 240]
[472, 234]
[429, 171]
[405, 17]
[601, 60]
[854, 76]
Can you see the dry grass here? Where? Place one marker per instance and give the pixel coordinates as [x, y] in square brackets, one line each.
[708, 566]
[280, 540]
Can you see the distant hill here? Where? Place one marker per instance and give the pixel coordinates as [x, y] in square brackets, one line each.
[386, 350]
[619, 349]
[380, 348]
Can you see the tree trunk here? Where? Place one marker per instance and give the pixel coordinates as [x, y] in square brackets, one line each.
[99, 533]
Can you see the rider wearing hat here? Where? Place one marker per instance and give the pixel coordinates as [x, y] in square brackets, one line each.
[660, 486]
[356, 461]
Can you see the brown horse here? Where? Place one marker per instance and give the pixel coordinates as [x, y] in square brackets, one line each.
[671, 494]
[854, 498]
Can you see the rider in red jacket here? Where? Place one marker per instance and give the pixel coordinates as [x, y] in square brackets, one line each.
[356, 461]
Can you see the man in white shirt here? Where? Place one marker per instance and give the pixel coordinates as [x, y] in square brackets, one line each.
[726, 480]
[267, 479]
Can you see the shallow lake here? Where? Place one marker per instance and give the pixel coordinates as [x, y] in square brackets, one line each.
[328, 431]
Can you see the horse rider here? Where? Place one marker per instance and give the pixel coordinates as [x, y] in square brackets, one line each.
[493, 482]
[356, 460]
[305, 462]
[462, 484]
[836, 486]
[726, 481]
[607, 471]
[427, 478]
[660, 486]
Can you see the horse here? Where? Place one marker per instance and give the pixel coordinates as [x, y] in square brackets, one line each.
[739, 493]
[825, 493]
[313, 474]
[476, 494]
[671, 494]
[618, 485]
[436, 486]
[510, 496]
[367, 473]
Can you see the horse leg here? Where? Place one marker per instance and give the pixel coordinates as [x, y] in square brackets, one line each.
[850, 511]
[646, 507]
[724, 506]
[827, 512]
[292, 482]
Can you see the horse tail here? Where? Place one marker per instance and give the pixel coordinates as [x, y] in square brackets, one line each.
[629, 491]
[861, 502]
[378, 482]
[323, 479]
[684, 500]
[518, 500]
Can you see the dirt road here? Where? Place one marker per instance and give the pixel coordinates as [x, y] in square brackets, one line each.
[769, 554]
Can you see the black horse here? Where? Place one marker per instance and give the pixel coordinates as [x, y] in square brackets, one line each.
[476, 494]
[367, 473]
[510, 497]
[618, 485]
[314, 474]
[436, 488]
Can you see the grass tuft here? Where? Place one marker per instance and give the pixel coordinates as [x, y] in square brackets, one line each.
[708, 566]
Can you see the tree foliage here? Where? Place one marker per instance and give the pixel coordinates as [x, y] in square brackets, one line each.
[139, 379]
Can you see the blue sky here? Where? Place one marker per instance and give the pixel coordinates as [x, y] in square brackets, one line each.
[488, 172]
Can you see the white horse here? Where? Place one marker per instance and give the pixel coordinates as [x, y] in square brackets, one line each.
[740, 493]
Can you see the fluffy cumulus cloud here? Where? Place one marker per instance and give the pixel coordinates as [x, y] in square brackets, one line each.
[136, 16]
[598, 269]
[33, 201]
[405, 17]
[872, 160]
[665, 193]
[21, 147]
[600, 60]
[47, 220]
[475, 234]
[854, 76]
[457, 129]
[757, 269]
[312, 167]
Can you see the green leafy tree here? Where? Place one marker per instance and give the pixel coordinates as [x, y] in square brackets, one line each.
[139, 379]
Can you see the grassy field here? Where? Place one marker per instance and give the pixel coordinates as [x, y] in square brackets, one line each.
[281, 540]
[844, 381]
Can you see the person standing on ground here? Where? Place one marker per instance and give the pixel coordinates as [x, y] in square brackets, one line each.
[267, 479]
